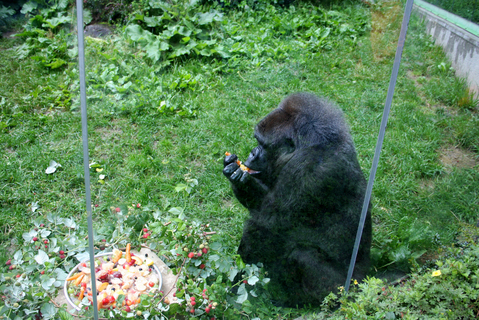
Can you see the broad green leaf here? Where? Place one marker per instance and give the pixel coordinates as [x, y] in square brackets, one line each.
[136, 33]
[233, 273]
[153, 50]
[82, 256]
[216, 246]
[240, 263]
[224, 266]
[18, 256]
[63, 4]
[64, 315]
[6, 12]
[61, 274]
[48, 311]
[214, 257]
[176, 210]
[29, 7]
[56, 63]
[205, 18]
[181, 50]
[164, 46]
[242, 294]
[28, 236]
[153, 21]
[45, 233]
[56, 21]
[48, 283]
[252, 280]
[41, 257]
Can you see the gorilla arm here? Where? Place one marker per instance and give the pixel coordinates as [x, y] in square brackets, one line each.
[247, 189]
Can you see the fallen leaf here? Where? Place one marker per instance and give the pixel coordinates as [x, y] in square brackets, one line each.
[52, 167]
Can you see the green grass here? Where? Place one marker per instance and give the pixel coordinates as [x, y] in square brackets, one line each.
[145, 151]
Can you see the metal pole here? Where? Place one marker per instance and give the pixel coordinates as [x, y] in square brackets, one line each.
[382, 130]
[86, 161]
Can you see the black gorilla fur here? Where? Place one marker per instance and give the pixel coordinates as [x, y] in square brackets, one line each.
[304, 193]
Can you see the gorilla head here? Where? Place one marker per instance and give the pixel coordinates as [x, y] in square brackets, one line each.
[304, 189]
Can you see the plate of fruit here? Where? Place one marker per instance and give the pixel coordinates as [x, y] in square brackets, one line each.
[121, 278]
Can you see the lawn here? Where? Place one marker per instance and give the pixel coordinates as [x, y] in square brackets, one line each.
[159, 124]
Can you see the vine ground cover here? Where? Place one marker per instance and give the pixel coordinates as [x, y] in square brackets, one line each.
[158, 132]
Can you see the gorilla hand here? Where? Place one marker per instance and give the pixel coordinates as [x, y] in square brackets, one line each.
[233, 171]
[250, 191]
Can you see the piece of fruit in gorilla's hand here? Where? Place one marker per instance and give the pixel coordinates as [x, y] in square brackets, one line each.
[304, 190]
[241, 165]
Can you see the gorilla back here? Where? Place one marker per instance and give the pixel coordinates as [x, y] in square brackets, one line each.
[304, 190]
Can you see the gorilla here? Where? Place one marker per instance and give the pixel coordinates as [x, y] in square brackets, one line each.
[304, 189]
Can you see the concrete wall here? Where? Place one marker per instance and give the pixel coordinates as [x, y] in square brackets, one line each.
[458, 37]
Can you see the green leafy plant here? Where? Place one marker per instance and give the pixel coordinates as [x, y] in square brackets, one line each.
[5, 14]
[172, 30]
[47, 34]
[209, 280]
[446, 291]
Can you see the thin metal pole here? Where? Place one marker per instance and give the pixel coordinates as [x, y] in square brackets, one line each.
[86, 160]
[382, 130]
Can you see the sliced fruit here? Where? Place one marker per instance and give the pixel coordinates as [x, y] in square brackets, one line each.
[103, 286]
[149, 262]
[116, 255]
[75, 276]
[79, 279]
[141, 287]
[127, 253]
[138, 260]
[82, 292]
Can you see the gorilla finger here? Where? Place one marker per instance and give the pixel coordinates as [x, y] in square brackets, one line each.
[244, 177]
[230, 159]
[237, 175]
[230, 168]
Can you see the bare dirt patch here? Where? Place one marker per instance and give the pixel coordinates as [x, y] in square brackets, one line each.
[113, 132]
[384, 29]
[454, 157]
[10, 34]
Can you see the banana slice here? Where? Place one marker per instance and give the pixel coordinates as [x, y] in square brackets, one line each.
[140, 287]
[149, 262]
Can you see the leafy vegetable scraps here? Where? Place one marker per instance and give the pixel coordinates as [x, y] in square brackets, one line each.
[119, 282]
